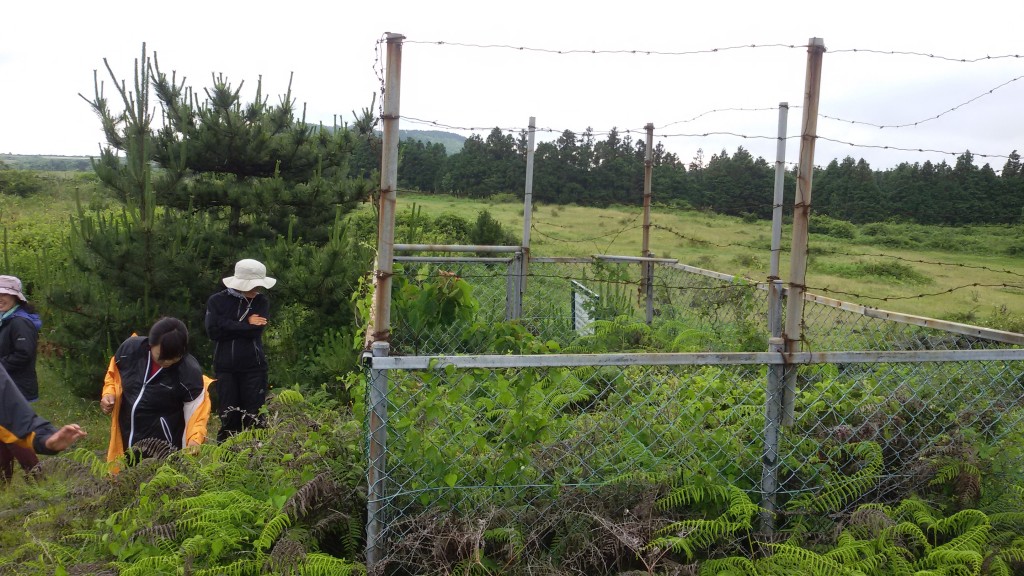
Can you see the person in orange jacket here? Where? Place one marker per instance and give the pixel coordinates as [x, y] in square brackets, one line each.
[155, 390]
[22, 429]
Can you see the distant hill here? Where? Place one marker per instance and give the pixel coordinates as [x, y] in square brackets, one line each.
[46, 163]
[452, 142]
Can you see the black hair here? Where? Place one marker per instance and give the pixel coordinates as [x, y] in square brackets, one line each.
[171, 335]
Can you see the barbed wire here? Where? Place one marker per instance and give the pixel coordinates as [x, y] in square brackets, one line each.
[615, 233]
[720, 133]
[924, 54]
[518, 129]
[743, 284]
[595, 51]
[902, 149]
[919, 261]
[914, 296]
[717, 110]
[941, 114]
[702, 51]
[379, 71]
[829, 252]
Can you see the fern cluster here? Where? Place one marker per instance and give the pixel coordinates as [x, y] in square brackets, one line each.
[287, 499]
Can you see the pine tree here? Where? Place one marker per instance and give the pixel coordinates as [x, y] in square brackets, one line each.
[130, 267]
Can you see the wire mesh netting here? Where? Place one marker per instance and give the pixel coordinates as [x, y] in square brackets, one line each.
[693, 311]
[467, 438]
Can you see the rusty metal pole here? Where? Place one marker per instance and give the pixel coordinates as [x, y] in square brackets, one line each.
[376, 473]
[648, 266]
[801, 214]
[776, 372]
[388, 193]
[524, 257]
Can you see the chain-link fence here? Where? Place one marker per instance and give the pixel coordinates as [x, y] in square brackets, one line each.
[693, 310]
[668, 384]
[467, 436]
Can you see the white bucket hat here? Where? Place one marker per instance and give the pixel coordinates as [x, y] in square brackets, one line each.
[12, 285]
[248, 275]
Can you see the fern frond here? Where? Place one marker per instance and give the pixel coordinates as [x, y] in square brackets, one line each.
[149, 566]
[272, 531]
[908, 532]
[872, 563]
[97, 467]
[950, 560]
[507, 535]
[243, 567]
[899, 564]
[849, 551]
[809, 562]
[916, 511]
[960, 522]
[741, 508]
[165, 477]
[1012, 555]
[997, 567]
[842, 491]
[476, 567]
[694, 493]
[317, 564]
[1007, 520]
[973, 539]
[289, 397]
[688, 536]
[952, 470]
[728, 566]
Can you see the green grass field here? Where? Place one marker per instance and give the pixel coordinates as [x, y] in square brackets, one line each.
[976, 278]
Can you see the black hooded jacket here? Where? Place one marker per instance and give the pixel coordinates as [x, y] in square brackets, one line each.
[18, 418]
[238, 345]
[154, 407]
[19, 334]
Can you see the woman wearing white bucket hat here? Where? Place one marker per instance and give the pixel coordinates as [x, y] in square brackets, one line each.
[235, 320]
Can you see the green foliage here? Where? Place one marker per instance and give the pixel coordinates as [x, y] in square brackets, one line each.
[287, 497]
[695, 534]
[842, 488]
[822, 224]
[19, 182]
[888, 271]
[488, 232]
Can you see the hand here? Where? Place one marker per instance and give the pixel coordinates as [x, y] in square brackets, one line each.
[107, 403]
[257, 320]
[65, 437]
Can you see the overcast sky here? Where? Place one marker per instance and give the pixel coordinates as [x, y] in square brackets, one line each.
[48, 51]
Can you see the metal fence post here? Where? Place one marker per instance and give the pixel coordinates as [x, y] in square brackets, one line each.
[645, 251]
[527, 212]
[776, 372]
[388, 192]
[376, 472]
[514, 287]
[649, 289]
[801, 214]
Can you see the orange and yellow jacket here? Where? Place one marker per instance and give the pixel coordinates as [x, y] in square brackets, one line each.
[196, 416]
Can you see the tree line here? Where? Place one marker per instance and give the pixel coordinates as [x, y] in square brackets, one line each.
[587, 170]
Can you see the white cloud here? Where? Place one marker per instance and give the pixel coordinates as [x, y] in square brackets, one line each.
[47, 58]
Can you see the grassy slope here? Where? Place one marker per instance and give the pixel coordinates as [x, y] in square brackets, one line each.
[733, 246]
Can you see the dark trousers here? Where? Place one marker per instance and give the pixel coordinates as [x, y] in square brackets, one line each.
[240, 396]
[11, 452]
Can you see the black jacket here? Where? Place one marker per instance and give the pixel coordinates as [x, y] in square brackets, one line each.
[238, 345]
[18, 418]
[19, 334]
[154, 409]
